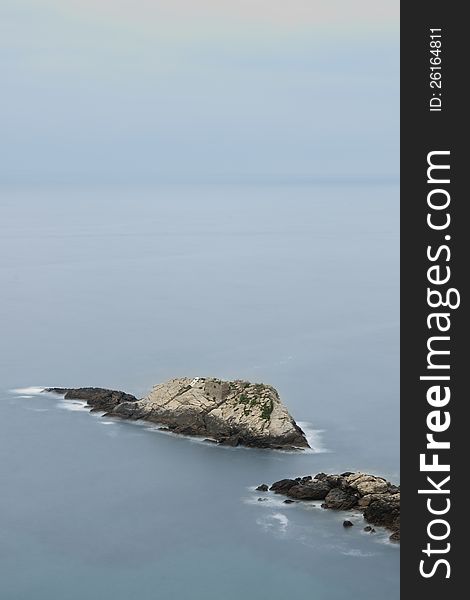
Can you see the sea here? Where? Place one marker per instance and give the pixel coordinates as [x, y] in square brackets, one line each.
[294, 284]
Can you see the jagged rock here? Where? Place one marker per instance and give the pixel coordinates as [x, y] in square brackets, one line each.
[367, 484]
[384, 512]
[377, 498]
[233, 440]
[367, 499]
[339, 499]
[231, 412]
[348, 524]
[288, 501]
[98, 398]
[262, 488]
[311, 490]
[281, 486]
[395, 537]
[334, 481]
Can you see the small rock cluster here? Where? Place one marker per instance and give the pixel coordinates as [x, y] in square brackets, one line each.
[375, 497]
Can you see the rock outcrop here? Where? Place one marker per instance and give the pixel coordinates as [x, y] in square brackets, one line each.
[99, 399]
[229, 412]
[375, 497]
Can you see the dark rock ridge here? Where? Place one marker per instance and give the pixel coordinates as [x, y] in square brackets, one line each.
[375, 497]
[231, 413]
[98, 398]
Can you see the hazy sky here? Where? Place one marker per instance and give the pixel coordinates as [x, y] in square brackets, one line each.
[148, 90]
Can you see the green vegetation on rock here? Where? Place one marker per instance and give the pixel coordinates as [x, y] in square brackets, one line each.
[267, 409]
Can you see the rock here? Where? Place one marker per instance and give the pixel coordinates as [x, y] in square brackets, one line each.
[262, 488]
[128, 410]
[232, 440]
[337, 481]
[262, 499]
[289, 501]
[348, 524]
[231, 412]
[282, 486]
[98, 398]
[367, 484]
[366, 500]
[312, 490]
[339, 499]
[377, 498]
[384, 512]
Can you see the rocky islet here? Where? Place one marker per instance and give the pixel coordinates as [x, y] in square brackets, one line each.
[230, 413]
[375, 497]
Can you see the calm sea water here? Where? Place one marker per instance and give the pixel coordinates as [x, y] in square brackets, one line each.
[296, 286]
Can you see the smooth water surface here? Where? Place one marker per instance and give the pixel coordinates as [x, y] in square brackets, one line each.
[293, 285]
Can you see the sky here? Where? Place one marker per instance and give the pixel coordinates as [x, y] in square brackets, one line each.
[179, 90]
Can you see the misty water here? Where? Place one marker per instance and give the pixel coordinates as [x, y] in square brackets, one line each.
[292, 285]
